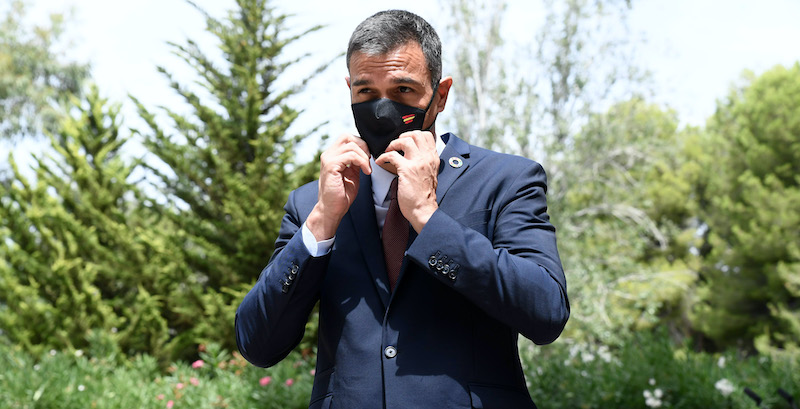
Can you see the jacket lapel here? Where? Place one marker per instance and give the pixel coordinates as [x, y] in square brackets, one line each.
[362, 216]
[449, 171]
[454, 161]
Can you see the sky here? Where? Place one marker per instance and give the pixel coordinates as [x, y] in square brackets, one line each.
[695, 49]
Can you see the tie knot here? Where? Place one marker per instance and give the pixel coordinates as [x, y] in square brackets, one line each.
[393, 189]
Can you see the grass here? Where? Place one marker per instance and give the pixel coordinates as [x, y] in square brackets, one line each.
[648, 371]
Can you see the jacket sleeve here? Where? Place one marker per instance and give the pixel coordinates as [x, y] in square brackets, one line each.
[271, 319]
[516, 277]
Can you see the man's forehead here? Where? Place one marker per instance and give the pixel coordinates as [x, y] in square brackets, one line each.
[399, 64]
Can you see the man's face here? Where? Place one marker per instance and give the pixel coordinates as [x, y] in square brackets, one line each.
[401, 75]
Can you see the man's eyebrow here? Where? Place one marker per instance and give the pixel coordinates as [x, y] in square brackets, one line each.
[360, 82]
[406, 80]
[400, 80]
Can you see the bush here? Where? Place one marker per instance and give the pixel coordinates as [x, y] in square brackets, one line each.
[649, 371]
[646, 371]
[218, 380]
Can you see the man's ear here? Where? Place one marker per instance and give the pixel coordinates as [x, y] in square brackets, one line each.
[443, 91]
[347, 80]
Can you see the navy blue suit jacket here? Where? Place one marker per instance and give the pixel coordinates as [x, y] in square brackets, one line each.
[484, 269]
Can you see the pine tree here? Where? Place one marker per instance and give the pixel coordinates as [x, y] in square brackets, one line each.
[750, 199]
[227, 166]
[76, 255]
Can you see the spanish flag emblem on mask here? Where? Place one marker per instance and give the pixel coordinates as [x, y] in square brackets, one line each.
[408, 118]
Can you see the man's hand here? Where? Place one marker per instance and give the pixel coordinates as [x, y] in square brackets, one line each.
[338, 184]
[417, 170]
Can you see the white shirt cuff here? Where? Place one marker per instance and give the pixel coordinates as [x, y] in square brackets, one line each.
[314, 247]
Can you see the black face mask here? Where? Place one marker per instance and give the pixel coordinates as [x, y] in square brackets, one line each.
[380, 121]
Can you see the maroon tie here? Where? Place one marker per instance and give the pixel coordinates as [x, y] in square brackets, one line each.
[395, 236]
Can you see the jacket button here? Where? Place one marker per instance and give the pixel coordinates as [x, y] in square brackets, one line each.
[390, 352]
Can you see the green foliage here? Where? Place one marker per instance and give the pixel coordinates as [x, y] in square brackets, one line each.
[749, 198]
[76, 253]
[226, 167]
[34, 76]
[584, 375]
[623, 221]
[219, 380]
[563, 375]
[89, 255]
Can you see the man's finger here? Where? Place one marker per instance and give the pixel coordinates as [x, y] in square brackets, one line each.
[352, 146]
[346, 138]
[425, 140]
[405, 144]
[392, 157]
[422, 138]
[353, 158]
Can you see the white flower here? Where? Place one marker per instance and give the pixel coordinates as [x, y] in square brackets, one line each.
[652, 381]
[78, 353]
[653, 403]
[721, 362]
[653, 399]
[36, 367]
[573, 351]
[604, 354]
[81, 388]
[114, 330]
[52, 352]
[587, 357]
[724, 386]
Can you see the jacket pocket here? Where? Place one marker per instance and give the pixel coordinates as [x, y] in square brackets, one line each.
[498, 397]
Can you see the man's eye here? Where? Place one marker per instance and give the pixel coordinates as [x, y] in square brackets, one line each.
[364, 91]
[404, 90]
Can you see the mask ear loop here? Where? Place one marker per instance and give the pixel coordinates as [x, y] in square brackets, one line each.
[435, 88]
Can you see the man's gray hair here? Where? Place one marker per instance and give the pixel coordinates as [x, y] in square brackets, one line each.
[385, 31]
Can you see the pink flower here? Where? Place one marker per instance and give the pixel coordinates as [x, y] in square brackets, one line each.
[198, 364]
[265, 380]
[313, 372]
[194, 381]
[160, 396]
[289, 382]
[170, 404]
[179, 385]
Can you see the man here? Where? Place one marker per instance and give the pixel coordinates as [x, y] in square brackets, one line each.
[432, 322]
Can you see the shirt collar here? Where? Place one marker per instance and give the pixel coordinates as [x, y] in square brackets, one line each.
[382, 178]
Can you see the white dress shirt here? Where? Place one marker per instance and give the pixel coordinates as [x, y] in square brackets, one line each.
[381, 181]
